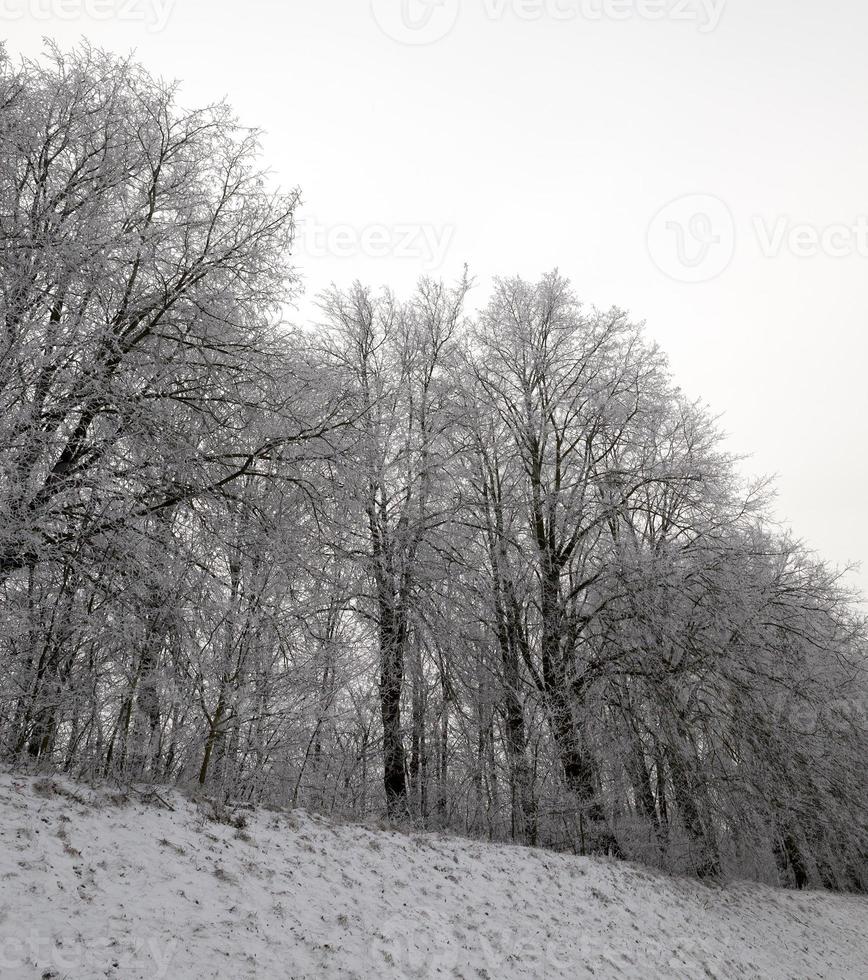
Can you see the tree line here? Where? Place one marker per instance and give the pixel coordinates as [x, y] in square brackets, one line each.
[488, 571]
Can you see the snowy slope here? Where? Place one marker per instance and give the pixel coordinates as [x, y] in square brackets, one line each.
[95, 887]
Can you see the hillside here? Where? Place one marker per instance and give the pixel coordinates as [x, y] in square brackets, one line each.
[99, 885]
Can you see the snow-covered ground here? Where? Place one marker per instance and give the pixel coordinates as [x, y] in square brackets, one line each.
[95, 886]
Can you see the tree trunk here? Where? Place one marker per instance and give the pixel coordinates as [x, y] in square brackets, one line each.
[391, 685]
[706, 859]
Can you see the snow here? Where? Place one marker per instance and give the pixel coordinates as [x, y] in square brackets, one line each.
[96, 886]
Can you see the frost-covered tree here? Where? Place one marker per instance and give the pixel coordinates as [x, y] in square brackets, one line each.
[143, 259]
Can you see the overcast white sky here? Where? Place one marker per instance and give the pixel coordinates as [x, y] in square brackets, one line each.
[524, 134]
